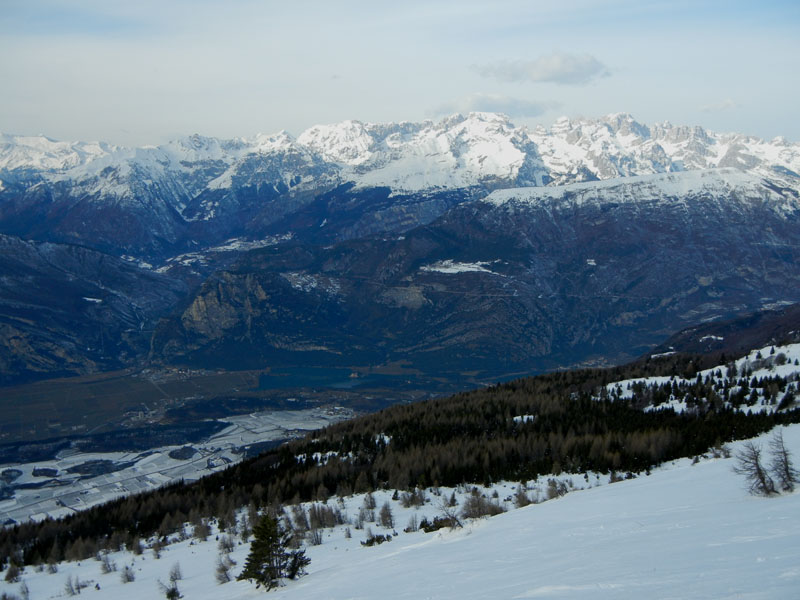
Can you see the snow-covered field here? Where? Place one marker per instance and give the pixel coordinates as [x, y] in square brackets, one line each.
[68, 492]
[685, 531]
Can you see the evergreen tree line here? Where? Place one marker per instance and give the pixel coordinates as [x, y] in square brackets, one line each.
[471, 437]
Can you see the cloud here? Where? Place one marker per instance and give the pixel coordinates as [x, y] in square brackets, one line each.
[513, 107]
[558, 67]
[726, 104]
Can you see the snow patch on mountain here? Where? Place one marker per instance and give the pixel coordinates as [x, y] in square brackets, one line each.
[451, 267]
[665, 187]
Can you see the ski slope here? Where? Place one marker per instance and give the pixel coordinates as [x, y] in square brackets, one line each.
[685, 531]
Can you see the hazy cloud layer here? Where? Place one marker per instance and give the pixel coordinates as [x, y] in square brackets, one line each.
[726, 104]
[558, 67]
[513, 107]
[149, 71]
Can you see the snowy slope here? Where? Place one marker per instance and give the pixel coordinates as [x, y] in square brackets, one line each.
[719, 184]
[454, 153]
[761, 365]
[686, 531]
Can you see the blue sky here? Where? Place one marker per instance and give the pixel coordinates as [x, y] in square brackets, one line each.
[146, 71]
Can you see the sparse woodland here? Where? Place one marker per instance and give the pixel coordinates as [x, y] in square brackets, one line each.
[516, 431]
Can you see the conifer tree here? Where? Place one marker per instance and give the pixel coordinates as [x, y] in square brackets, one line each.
[269, 560]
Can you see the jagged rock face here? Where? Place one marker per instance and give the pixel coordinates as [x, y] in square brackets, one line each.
[524, 280]
[66, 310]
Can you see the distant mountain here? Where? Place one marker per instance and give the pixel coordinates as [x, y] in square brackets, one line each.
[523, 280]
[66, 310]
[155, 202]
[736, 336]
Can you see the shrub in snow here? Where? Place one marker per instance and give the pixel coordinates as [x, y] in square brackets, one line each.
[226, 544]
[106, 564]
[374, 540]
[415, 498]
[127, 575]
[12, 573]
[175, 573]
[223, 569]
[438, 523]
[413, 524]
[476, 506]
[171, 591]
[314, 536]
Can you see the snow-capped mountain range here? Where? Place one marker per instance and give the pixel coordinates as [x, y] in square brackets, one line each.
[199, 191]
[459, 151]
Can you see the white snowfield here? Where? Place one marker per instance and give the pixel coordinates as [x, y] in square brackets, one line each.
[685, 531]
[452, 267]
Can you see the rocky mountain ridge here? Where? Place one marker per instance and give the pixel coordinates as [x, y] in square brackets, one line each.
[155, 202]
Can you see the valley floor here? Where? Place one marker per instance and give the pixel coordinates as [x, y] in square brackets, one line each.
[685, 531]
[69, 484]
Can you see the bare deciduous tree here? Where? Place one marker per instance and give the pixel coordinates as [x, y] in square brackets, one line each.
[781, 464]
[748, 463]
[175, 573]
[223, 569]
[386, 517]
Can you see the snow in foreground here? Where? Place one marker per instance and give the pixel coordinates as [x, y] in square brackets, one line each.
[686, 531]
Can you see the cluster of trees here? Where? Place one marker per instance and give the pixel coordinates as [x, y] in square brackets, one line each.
[471, 437]
[712, 392]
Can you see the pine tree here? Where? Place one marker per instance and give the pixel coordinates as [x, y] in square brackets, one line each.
[269, 560]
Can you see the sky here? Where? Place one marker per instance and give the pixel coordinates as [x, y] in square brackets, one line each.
[146, 72]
